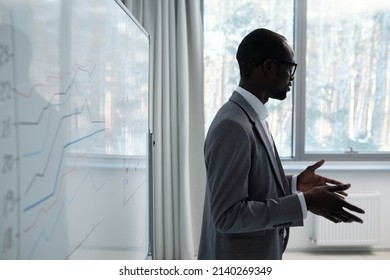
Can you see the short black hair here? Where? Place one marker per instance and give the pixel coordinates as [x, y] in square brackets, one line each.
[257, 46]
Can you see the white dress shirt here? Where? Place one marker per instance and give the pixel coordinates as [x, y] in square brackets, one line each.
[262, 113]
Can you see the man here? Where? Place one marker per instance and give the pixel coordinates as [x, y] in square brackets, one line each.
[250, 203]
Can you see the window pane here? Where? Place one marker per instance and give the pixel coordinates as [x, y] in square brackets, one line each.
[347, 76]
[226, 22]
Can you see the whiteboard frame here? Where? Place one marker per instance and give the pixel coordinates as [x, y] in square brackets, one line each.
[150, 140]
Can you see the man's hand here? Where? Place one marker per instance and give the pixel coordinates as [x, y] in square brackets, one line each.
[308, 179]
[325, 201]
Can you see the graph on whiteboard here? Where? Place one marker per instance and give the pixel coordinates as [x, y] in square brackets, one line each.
[74, 126]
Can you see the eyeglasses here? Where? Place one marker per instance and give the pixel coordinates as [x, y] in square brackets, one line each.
[292, 66]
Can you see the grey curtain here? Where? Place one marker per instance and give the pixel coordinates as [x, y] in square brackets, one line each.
[175, 28]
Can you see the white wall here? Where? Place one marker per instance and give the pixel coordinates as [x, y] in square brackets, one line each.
[363, 177]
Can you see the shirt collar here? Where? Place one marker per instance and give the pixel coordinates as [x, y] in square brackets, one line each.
[255, 103]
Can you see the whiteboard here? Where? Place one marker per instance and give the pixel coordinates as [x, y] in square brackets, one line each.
[74, 78]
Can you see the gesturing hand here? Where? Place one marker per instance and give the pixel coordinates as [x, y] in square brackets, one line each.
[308, 179]
[325, 202]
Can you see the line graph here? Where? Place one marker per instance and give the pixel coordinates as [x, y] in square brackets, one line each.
[73, 131]
[43, 235]
[54, 141]
[45, 210]
[88, 67]
[43, 199]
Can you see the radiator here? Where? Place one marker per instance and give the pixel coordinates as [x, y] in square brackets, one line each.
[328, 233]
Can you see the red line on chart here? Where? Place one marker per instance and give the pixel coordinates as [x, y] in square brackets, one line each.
[36, 203]
[42, 174]
[76, 67]
[44, 211]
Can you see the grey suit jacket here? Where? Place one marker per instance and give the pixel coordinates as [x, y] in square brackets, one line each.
[248, 204]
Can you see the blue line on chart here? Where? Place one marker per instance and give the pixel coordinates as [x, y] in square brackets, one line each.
[35, 204]
[68, 200]
[85, 105]
[47, 236]
[44, 235]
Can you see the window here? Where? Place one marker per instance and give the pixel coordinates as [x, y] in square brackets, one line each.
[226, 22]
[340, 105]
[347, 76]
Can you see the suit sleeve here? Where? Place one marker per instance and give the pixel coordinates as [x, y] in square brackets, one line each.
[228, 161]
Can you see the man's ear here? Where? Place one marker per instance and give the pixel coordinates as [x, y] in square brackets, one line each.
[267, 66]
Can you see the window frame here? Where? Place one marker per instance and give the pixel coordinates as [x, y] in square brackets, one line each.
[299, 101]
[376, 161]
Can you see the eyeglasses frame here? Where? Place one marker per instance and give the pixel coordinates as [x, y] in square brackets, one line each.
[293, 64]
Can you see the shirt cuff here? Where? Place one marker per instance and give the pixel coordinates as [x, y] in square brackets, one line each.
[300, 196]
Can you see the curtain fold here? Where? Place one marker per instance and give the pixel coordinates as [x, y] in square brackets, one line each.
[175, 28]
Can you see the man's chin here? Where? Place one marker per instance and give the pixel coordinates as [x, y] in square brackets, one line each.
[280, 97]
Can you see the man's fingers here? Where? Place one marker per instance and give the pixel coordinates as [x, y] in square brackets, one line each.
[339, 188]
[348, 217]
[316, 165]
[332, 181]
[331, 218]
[352, 207]
[342, 194]
[345, 204]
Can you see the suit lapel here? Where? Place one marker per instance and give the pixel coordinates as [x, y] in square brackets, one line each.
[273, 158]
[285, 184]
